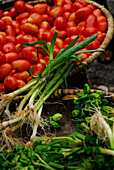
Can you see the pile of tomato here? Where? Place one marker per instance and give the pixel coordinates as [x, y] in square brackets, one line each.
[25, 23]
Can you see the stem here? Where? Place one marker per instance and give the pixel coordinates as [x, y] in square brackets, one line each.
[105, 151]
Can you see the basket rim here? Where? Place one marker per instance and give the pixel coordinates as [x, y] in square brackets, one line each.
[69, 94]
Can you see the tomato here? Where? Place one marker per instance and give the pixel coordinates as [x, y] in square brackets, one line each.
[67, 40]
[0, 13]
[94, 45]
[10, 83]
[29, 28]
[47, 18]
[91, 21]
[68, 2]
[26, 38]
[29, 79]
[6, 13]
[42, 61]
[19, 6]
[25, 51]
[29, 8]
[40, 32]
[7, 19]
[18, 48]
[40, 8]
[46, 58]
[11, 39]
[67, 7]
[72, 31]
[77, 5]
[2, 57]
[81, 26]
[90, 31]
[60, 23]
[59, 43]
[12, 56]
[56, 11]
[22, 75]
[45, 25]
[22, 16]
[20, 84]
[8, 47]
[71, 24]
[55, 52]
[2, 40]
[13, 12]
[38, 67]
[66, 15]
[32, 57]
[72, 17]
[2, 25]
[21, 65]
[102, 26]
[59, 2]
[2, 88]
[101, 19]
[16, 26]
[4, 70]
[101, 36]
[82, 13]
[97, 12]
[61, 34]
[82, 2]
[35, 18]
[46, 36]
[9, 31]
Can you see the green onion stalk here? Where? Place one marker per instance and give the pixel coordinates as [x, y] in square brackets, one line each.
[39, 89]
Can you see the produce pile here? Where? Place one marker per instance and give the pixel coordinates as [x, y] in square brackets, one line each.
[91, 146]
[25, 23]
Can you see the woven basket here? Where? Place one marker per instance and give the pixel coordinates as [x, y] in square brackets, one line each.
[105, 43]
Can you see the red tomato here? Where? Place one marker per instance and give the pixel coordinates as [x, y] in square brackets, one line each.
[101, 19]
[81, 26]
[101, 36]
[45, 25]
[67, 40]
[94, 45]
[40, 32]
[22, 75]
[2, 88]
[91, 21]
[22, 16]
[10, 38]
[72, 17]
[29, 8]
[61, 34]
[71, 24]
[32, 57]
[59, 43]
[82, 13]
[9, 31]
[2, 40]
[77, 5]
[35, 18]
[46, 36]
[19, 6]
[68, 2]
[60, 23]
[38, 67]
[40, 8]
[21, 65]
[55, 52]
[66, 15]
[2, 25]
[10, 83]
[46, 58]
[0, 13]
[97, 12]
[102, 26]
[72, 31]
[67, 7]
[13, 12]
[59, 2]
[25, 51]
[16, 26]
[2, 57]
[29, 28]
[42, 61]
[8, 47]
[4, 70]
[56, 11]
[18, 48]
[90, 31]
[29, 79]
[20, 84]
[7, 19]
[12, 56]
[82, 2]
[6, 13]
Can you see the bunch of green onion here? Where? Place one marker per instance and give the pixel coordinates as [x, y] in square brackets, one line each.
[39, 89]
